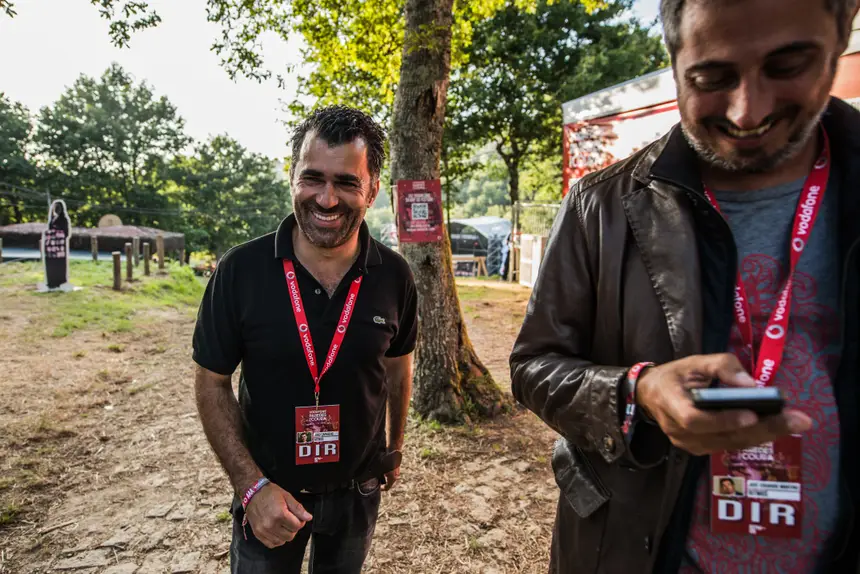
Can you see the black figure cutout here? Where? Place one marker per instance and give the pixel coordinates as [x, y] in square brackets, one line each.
[55, 245]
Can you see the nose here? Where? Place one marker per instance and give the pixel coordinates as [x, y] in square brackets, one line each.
[327, 198]
[750, 104]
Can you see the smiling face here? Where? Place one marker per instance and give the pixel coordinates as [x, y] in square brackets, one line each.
[754, 77]
[332, 190]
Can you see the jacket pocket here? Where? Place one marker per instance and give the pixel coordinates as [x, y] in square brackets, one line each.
[577, 480]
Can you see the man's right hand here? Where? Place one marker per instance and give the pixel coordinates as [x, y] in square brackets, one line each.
[275, 516]
[663, 393]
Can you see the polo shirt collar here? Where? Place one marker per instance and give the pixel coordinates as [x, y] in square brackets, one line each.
[368, 257]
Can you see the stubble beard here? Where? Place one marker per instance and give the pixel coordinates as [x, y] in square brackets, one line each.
[758, 163]
[328, 238]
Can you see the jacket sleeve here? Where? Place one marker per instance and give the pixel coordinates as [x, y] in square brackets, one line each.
[550, 370]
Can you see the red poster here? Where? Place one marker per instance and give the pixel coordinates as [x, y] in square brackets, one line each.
[757, 491]
[419, 211]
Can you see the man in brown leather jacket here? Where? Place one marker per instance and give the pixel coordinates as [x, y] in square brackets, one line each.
[637, 298]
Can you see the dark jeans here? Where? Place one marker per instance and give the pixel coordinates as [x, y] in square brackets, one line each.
[340, 535]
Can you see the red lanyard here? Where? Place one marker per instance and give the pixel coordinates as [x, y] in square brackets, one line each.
[773, 343]
[305, 332]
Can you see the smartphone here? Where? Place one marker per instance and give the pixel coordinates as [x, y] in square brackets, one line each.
[763, 401]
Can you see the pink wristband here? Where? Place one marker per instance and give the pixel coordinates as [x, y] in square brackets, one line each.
[246, 499]
[249, 494]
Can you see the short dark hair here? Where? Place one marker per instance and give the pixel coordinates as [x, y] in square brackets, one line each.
[670, 14]
[338, 125]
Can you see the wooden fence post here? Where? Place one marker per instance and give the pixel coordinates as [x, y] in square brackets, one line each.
[159, 248]
[182, 257]
[147, 256]
[94, 247]
[135, 246]
[129, 267]
[1, 250]
[117, 271]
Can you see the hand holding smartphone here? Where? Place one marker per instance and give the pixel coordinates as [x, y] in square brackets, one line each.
[764, 401]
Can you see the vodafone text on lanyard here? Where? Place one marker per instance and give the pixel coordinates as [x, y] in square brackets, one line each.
[318, 427]
[758, 490]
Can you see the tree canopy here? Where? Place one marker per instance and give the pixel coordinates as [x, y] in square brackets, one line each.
[111, 145]
[229, 195]
[521, 66]
[105, 141]
[16, 164]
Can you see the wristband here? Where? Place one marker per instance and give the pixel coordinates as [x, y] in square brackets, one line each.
[246, 499]
[249, 494]
[630, 411]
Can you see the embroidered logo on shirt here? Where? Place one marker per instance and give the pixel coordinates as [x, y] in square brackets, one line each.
[379, 320]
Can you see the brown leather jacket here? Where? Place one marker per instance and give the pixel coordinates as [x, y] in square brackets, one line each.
[639, 267]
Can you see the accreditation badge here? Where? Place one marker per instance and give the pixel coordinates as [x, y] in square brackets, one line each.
[757, 490]
[317, 434]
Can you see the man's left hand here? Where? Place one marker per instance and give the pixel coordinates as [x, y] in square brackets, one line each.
[390, 478]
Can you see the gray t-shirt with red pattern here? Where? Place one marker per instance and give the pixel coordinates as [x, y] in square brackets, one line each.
[761, 222]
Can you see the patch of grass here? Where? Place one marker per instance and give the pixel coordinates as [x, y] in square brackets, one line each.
[47, 428]
[6, 482]
[97, 305]
[33, 481]
[223, 516]
[483, 294]
[9, 513]
[434, 426]
[116, 348]
[80, 354]
[473, 293]
[83, 311]
[140, 388]
[180, 288]
[473, 545]
[45, 425]
[428, 453]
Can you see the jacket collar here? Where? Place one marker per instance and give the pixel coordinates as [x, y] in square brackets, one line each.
[671, 159]
[368, 257]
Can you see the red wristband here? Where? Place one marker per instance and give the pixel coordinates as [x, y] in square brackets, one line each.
[630, 410]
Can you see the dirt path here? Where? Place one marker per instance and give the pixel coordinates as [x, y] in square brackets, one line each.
[100, 441]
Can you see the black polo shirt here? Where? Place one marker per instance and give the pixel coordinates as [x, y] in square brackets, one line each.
[246, 318]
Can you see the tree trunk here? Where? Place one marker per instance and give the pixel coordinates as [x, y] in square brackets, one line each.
[447, 192]
[451, 383]
[514, 177]
[512, 162]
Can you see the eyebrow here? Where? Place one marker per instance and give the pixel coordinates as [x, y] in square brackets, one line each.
[340, 177]
[793, 48]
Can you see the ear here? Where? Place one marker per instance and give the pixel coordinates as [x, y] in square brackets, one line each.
[374, 191]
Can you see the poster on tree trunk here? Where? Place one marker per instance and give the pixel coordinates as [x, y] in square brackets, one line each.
[55, 249]
[419, 211]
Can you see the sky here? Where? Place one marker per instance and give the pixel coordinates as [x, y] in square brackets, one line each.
[52, 42]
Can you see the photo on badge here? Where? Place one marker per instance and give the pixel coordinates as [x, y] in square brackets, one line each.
[729, 486]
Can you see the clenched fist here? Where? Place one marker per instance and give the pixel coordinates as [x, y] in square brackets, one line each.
[663, 393]
[275, 516]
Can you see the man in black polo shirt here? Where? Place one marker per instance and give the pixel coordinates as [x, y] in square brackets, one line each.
[323, 319]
